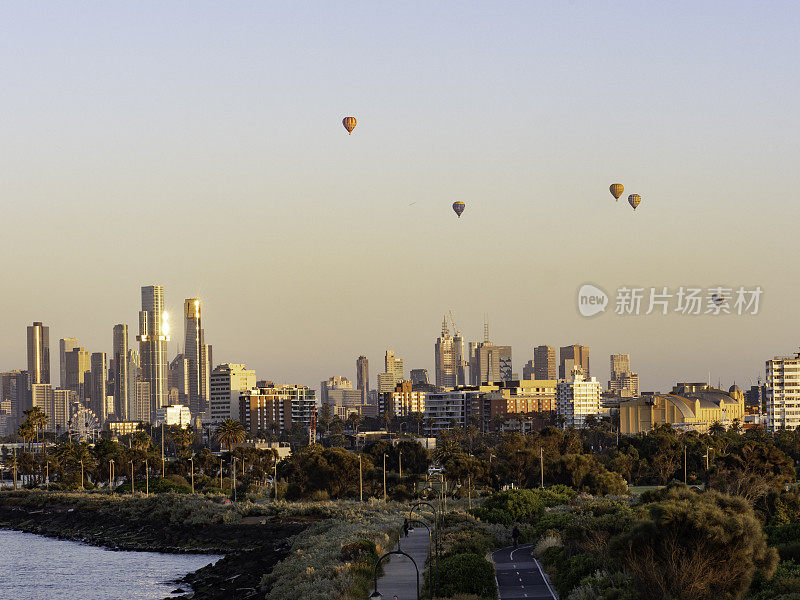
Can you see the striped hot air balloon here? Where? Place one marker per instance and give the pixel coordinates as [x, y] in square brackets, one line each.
[616, 190]
[349, 124]
[459, 207]
[634, 200]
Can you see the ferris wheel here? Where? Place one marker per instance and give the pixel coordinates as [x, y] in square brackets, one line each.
[84, 423]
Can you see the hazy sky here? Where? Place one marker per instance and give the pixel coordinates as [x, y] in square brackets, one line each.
[199, 146]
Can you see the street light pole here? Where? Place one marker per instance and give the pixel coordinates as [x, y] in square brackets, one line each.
[162, 447]
[541, 464]
[133, 484]
[81, 472]
[191, 462]
[147, 478]
[233, 480]
[110, 476]
[384, 477]
[400, 459]
[360, 481]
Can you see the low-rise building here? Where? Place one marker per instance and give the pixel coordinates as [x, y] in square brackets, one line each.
[120, 428]
[176, 414]
[690, 406]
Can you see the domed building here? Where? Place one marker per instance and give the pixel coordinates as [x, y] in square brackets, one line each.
[689, 407]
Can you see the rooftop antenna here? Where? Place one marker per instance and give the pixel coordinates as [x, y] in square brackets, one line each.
[485, 328]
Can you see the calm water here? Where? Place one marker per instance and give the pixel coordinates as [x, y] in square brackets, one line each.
[33, 567]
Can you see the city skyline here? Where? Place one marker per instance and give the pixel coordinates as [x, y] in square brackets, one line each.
[155, 295]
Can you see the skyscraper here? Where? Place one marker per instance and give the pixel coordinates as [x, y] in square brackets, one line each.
[99, 386]
[119, 353]
[623, 382]
[491, 364]
[153, 337]
[544, 363]
[134, 377]
[196, 356]
[394, 365]
[64, 345]
[38, 353]
[178, 378]
[419, 376]
[579, 357]
[79, 372]
[449, 358]
[362, 377]
[14, 389]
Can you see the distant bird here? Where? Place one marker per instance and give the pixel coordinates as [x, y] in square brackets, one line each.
[412, 203]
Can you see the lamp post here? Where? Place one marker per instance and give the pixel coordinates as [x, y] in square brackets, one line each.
[162, 447]
[191, 463]
[147, 478]
[111, 476]
[133, 490]
[15, 469]
[376, 595]
[220, 474]
[400, 462]
[275, 479]
[384, 477]
[360, 481]
[233, 479]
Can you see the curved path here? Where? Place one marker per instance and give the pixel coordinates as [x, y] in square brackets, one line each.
[519, 575]
[399, 576]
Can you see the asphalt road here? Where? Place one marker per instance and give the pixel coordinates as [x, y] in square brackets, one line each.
[519, 575]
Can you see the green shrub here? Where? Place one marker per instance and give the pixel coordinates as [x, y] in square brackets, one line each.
[521, 506]
[466, 574]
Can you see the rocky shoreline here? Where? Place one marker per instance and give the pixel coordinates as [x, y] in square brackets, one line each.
[251, 548]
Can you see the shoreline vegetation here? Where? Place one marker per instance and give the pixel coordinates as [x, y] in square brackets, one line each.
[277, 550]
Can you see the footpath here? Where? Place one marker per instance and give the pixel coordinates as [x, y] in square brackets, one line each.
[519, 575]
[399, 576]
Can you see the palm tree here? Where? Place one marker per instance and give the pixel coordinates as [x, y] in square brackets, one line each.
[140, 440]
[27, 432]
[37, 419]
[353, 419]
[230, 433]
[183, 440]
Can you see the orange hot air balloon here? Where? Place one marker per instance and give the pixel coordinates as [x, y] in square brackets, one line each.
[349, 124]
[634, 200]
[616, 190]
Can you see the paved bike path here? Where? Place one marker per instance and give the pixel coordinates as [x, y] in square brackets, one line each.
[519, 575]
[399, 576]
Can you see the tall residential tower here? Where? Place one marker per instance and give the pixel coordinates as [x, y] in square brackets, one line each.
[38, 354]
[119, 353]
[153, 337]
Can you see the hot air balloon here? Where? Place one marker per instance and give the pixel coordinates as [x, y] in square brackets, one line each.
[459, 207]
[616, 190]
[634, 200]
[349, 124]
